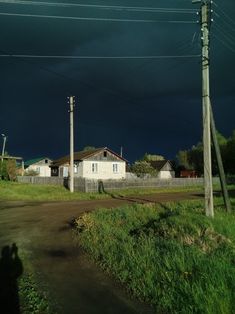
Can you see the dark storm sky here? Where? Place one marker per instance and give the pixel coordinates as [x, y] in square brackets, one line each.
[143, 105]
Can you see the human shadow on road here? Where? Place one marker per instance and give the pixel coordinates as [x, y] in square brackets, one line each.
[11, 268]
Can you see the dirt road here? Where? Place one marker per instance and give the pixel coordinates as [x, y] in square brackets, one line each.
[43, 231]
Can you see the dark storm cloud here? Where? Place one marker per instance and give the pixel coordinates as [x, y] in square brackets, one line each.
[143, 105]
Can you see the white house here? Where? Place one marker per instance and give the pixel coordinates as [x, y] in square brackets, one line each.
[41, 166]
[100, 163]
[164, 168]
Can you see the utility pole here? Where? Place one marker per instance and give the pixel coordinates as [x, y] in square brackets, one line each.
[4, 145]
[71, 170]
[220, 164]
[206, 112]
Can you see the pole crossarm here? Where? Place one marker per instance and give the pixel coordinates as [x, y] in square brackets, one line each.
[11, 157]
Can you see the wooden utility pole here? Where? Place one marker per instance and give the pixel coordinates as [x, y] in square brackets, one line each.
[3, 146]
[71, 170]
[220, 163]
[208, 185]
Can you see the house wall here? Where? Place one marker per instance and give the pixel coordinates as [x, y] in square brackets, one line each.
[166, 174]
[104, 169]
[43, 170]
[63, 171]
[41, 167]
[78, 169]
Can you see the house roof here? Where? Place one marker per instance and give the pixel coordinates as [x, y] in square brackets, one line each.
[82, 155]
[159, 164]
[34, 161]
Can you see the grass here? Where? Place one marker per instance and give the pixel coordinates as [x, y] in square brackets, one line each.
[32, 192]
[171, 256]
[34, 298]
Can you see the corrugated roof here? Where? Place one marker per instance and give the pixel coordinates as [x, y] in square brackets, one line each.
[79, 156]
[34, 161]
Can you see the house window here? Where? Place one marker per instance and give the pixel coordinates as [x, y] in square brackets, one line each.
[46, 161]
[38, 170]
[115, 168]
[75, 168]
[94, 167]
[105, 154]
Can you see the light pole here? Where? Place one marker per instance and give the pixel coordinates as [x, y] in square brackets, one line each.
[71, 106]
[4, 145]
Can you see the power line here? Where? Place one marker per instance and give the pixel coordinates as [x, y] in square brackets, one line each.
[104, 7]
[224, 13]
[96, 19]
[224, 34]
[97, 57]
[224, 43]
[225, 22]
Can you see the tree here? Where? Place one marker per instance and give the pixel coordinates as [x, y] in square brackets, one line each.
[182, 158]
[87, 148]
[143, 168]
[8, 169]
[193, 158]
[31, 173]
[11, 169]
[3, 168]
[229, 155]
[150, 157]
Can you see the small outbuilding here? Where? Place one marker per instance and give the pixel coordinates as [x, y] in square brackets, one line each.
[164, 168]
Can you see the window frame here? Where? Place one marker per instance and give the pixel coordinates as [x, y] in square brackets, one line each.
[115, 168]
[94, 167]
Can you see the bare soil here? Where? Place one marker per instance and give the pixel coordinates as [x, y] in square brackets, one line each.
[43, 231]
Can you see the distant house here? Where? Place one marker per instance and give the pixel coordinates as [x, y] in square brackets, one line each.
[164, 168]
[189, 173]
[41, 166]
[100, 163]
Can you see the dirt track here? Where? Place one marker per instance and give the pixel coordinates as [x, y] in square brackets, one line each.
[42, 230]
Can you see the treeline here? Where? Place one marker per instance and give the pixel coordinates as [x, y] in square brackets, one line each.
[193, 158]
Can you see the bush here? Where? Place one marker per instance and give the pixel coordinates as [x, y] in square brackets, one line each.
[8, 170]
[31, 173]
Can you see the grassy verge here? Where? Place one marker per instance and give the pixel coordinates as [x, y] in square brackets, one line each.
[173, 256]
[32, 192]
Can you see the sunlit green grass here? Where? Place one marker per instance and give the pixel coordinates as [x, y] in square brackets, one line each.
[33, 192]
[170, 255]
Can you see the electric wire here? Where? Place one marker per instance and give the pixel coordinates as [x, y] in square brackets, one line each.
[97, 57]
[225, 22]
[224, 35]
[224, 13]
[103, 7]
[96, 19]
[223, 43]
